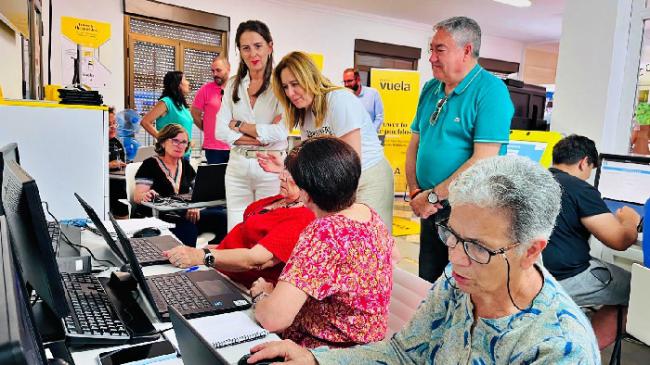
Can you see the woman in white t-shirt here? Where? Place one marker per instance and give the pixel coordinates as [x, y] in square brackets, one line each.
[250, 120]
[317, 107]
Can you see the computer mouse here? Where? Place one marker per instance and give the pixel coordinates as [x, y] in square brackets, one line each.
[147, 232]
[244, 358]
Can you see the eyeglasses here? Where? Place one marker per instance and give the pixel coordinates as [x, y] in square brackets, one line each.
[177, 142]
[473, 249]
[441, 103]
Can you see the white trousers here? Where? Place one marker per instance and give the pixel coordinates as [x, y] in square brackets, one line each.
[246, 182]
[377, 191]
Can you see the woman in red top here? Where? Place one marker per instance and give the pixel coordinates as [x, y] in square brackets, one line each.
[261, 244]
[335, 288]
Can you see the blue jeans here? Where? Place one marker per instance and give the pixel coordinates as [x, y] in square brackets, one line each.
[217, 156]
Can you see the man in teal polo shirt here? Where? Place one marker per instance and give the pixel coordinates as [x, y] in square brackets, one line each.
[463, 116]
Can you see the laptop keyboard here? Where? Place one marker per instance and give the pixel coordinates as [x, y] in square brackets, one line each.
[180, 292]
[145, 251]
[93, 319]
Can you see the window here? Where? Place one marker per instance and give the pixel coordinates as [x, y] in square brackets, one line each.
[369, 55]
[157, 46]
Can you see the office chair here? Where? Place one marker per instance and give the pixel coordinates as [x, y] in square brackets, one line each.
[129, 175]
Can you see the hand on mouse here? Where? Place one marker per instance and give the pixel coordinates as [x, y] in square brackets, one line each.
[184, 256]
[287, 349]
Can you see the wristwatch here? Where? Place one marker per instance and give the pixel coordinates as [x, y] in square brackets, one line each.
[208, 258]
[238, 123]
[433, 198]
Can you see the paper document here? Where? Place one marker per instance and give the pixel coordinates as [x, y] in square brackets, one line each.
[233, 334]
[130, 226]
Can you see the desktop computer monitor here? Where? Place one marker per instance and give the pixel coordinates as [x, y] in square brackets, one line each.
[8, 152]
[20, 342]
[623, 181]
[30, 238]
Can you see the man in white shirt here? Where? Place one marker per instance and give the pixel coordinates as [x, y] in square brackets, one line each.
[369, 97]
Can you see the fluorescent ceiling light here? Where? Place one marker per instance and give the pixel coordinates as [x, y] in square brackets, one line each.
[517, 3]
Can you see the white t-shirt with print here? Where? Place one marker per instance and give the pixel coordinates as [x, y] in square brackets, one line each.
[345, 113]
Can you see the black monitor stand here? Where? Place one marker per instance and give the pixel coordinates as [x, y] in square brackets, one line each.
[52, 333]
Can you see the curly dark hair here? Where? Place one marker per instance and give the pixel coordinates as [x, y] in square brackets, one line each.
[171, 88]
[263, 30]
[328, 169]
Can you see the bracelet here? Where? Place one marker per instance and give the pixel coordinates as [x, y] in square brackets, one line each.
[415, 193]
[258, 298]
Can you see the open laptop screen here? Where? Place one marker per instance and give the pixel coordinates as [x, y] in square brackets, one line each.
[624, 181]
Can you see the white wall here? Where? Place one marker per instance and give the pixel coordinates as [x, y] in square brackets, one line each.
[295, 25]
[111, 53]
[10, 63]
[591, 64]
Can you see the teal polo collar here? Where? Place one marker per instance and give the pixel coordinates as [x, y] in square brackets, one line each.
[462, 86]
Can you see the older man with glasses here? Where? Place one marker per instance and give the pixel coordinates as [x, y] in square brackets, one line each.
[463, 115]
[495, 304]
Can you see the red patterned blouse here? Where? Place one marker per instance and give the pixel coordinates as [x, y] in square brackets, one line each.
[345, 267]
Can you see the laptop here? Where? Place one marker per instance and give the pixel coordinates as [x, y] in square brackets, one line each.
[195, 294]
[144, 153]
[623, 181]
[209, 184]
[638, 321]
[148, 251]
[194, 348]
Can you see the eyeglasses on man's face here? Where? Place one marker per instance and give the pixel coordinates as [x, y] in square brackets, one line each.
[474, 250]
[436, 113]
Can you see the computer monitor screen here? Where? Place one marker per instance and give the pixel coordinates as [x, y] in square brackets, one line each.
[20, 342]
[624, 181]
[30, 238]
[532, 150]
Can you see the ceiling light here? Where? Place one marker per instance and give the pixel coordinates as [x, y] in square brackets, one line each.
[517, 3]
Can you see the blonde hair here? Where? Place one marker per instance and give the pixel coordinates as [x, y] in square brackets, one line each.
[311, 80]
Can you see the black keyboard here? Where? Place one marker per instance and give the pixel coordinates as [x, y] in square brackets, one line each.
[181, 292]
[54, 231]
[93, 319]
[144, 250]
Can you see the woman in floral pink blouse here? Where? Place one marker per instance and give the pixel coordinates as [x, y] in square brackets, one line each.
[335, 288]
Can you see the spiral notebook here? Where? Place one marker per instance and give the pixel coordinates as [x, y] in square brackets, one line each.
[227, 329]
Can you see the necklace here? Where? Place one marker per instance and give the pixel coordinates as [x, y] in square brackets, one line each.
[275, 206]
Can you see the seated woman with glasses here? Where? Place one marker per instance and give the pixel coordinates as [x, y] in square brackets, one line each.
[335, 288]
[169, 174]
[261, 244]
[495, 304]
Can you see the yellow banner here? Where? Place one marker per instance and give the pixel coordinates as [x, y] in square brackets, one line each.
[88, 33]
[399, 90]
[318, 60]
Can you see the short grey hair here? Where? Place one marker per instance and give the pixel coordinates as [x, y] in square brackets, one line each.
[526, 191]
[463, 30]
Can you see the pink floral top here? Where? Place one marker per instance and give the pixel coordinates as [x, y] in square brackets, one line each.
[345, 267]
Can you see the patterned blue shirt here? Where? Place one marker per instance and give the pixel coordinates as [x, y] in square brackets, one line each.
[443, 331]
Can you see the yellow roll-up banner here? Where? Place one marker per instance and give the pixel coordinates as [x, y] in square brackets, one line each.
[399, 90]
[85, 32]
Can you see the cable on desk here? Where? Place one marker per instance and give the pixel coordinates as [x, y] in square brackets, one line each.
[47, 208]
